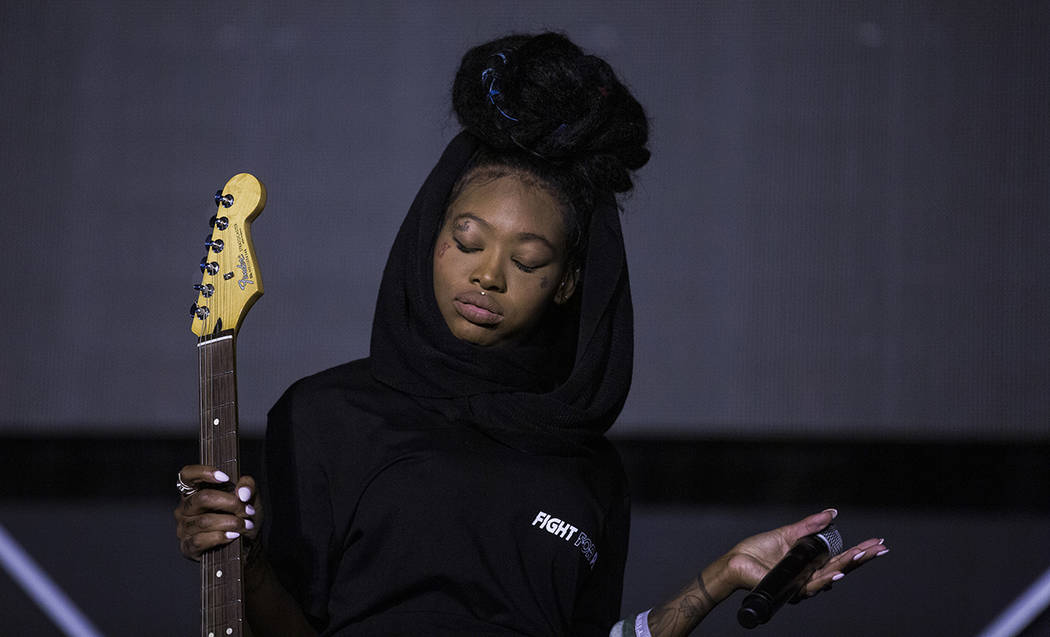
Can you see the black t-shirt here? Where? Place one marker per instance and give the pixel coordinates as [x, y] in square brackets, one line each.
[390, 514]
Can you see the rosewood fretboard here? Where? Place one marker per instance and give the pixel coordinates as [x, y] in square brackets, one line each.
[222, 584]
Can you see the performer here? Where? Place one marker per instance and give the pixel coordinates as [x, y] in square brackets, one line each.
[458, 480]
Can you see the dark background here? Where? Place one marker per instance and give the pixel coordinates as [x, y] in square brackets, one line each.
[838, 257]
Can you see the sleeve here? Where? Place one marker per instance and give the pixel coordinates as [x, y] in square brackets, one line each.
[298, 529]
[598, 604]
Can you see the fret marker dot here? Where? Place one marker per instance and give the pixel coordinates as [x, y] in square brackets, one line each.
[218, 573]
[215, 422]
[211, 634]
[229, 631]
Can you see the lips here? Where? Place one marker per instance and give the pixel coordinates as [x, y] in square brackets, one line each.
[478, 309]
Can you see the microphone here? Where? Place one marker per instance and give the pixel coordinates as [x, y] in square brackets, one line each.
[788, 577]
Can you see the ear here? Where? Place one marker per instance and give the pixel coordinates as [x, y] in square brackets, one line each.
[567, 286]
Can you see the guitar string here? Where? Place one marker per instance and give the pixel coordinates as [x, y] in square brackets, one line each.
[202, 398]
[229, 419]
[222, 593]
[221, 596]
[207, 566]
[214, 589]
[207, 559]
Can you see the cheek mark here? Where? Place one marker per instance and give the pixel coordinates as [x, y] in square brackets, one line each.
[443, 249]
[544, 282]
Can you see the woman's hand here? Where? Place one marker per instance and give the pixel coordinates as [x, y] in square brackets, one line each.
[751, 559]
[216, 513]
[745, 565]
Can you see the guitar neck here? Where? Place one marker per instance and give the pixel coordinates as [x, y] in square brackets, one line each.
[222, 582]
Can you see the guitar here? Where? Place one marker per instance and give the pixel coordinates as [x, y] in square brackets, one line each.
[229, 285]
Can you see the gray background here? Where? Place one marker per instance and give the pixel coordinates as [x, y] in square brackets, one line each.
[842, 235]
[842, 231]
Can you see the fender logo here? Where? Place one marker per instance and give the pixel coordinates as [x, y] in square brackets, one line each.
[243, 266]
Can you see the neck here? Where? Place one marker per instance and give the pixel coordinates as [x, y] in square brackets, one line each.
[222, 588]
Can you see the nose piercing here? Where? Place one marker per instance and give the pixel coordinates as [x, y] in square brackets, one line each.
[483, 293]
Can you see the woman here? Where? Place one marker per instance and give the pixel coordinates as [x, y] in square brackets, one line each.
[458, 480]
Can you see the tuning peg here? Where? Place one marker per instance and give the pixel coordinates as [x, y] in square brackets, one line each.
[220, 222]
[200, 312]
[206, 290]
[224, 200]
[215, 245]
[210, 268]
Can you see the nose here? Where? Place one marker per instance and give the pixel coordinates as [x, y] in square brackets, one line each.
[489, 273]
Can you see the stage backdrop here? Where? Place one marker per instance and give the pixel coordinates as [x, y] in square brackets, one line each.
[842, 232]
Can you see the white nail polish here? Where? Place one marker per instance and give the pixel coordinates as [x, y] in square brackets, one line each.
[248, 524]
[859, 555]
[837, 576]
[232, 535]
[882, 552]
[221, 477]
[244, 493]
[249, 509]
[834, 513]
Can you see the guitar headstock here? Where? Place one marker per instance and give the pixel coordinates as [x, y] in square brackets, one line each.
[231, 282]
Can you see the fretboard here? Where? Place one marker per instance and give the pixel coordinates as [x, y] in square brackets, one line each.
[222, 588]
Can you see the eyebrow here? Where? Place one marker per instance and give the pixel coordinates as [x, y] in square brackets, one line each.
[522, 236]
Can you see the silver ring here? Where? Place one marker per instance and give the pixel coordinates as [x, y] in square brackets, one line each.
[184, 489]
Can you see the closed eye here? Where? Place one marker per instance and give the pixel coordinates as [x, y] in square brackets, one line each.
[525, 268]
[463, 248]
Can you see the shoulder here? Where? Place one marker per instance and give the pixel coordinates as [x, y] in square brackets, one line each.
[342, 404]
[331, 402]
[346, 386]
[328, 384]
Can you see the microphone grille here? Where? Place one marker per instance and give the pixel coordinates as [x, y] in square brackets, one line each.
[831, 536]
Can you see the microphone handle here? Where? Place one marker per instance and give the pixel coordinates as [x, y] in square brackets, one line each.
[782, 582]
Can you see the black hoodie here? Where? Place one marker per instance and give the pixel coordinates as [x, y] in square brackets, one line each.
[439, 487]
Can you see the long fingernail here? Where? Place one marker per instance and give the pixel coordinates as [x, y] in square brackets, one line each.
[859, 555]
[882, 552]
[244, 493]
[834, 513]
[232, 535]
[837, 576]
[220, 476]
[248, 524]
[249, 509]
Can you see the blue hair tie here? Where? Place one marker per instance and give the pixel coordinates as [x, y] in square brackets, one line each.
[491, 77]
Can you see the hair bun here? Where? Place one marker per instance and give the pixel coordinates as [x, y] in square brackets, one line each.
[544, 95]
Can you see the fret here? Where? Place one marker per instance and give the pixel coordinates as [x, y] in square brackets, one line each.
[227, 465]
[208, 410]
[224, 610]
[224, 436]
[223, 384]
[218, 591]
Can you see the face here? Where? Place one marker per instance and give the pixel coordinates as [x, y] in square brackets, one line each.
[500, 261]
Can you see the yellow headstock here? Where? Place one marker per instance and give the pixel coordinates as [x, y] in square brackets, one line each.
[231, 281]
